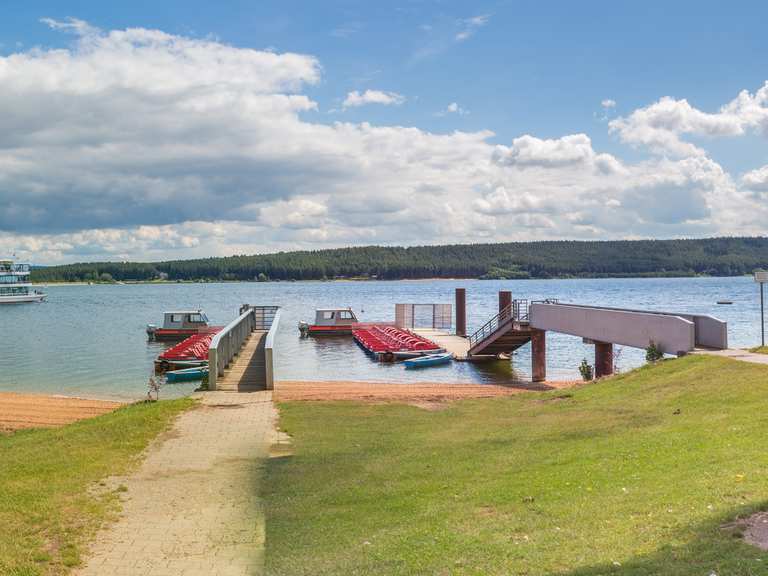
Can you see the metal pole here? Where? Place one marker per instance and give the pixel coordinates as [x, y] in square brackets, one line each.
[762, 314]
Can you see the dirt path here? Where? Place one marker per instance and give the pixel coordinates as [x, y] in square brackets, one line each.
[383, 392]
[192, 507]
[19, 411]
[737, 354]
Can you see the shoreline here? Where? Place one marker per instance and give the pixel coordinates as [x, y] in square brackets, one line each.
[25, 410]
[649, 276]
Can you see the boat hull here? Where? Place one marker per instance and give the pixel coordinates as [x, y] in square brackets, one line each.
[186, 375]
[427, 361]
[163, 335]
[22, 298]
[315, 330]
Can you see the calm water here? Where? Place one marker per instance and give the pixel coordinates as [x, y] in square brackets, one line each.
[90, 340]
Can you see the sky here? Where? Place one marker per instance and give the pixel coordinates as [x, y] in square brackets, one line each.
[156, 130]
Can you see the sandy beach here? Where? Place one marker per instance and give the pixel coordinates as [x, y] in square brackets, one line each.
[289, 390]
[18, 411]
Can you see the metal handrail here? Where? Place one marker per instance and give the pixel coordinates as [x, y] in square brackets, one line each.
[517, 311]
[511, 311]
[226, 344]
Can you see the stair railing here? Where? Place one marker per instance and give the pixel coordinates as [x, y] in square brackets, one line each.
[516, 311]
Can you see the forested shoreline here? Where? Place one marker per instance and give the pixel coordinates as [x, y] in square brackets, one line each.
[511, 260]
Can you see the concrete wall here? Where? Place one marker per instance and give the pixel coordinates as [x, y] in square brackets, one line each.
[672, 334]
[269, 352]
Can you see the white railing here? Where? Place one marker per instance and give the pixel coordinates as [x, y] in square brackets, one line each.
[228, 343]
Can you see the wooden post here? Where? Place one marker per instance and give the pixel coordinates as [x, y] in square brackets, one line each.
[461, 312]
[505, 301]
[538, 355]
[603, 359]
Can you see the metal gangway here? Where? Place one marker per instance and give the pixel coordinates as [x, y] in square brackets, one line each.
[241, 356]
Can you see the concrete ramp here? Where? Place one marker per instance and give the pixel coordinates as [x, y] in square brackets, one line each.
[672, 333]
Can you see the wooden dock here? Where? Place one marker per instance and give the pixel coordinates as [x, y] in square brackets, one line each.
[247, 372]
[456, 345]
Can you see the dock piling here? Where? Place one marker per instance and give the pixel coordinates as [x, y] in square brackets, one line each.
[603, 359]
[538, 355]
[461, 311]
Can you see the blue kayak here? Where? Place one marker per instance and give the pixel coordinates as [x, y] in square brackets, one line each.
[429, 360]
[187, 374]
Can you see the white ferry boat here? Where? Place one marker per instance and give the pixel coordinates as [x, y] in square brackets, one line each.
[15, 286]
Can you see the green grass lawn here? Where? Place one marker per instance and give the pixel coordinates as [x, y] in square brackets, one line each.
[46, 508]
[760, 349]
[635, 475]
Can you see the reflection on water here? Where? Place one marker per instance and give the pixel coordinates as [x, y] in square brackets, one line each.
[90, 340]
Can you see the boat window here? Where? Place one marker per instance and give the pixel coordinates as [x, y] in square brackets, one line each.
[196, 318]
[177, 317]
[346, 315]
[328, 315]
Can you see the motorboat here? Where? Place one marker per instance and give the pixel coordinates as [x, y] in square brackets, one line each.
[330, 321]
[179, 325]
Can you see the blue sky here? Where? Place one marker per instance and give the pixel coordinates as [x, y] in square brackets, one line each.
[513, 68]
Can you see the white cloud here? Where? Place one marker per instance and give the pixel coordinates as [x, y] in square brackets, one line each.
[356, 99]
[660, 126]
[452, 108]
[573, 150]
[469, 26]
[145, 145]
[608, 103]
[756, 180]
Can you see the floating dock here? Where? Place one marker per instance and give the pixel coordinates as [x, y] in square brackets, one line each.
[386, 342]
[453, 343]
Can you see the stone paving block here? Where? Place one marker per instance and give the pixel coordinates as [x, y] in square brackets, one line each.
[192, 507]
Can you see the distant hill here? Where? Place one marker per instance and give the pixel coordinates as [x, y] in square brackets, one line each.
[552, 259]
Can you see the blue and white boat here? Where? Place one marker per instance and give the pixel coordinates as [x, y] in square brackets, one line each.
[429, 360]
[187, 374]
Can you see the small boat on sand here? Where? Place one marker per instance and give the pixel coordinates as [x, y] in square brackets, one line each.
[429, 360]
[187, 374]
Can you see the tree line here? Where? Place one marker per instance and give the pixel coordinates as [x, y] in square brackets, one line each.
[545, 259]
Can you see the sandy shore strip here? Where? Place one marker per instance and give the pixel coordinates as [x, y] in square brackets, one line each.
[19, 411]
[290, 390]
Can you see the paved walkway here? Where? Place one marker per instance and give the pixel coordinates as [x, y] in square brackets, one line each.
[192, 506]
[736, 354]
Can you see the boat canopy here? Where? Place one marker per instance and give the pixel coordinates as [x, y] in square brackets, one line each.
[181, 319]
[334, 316]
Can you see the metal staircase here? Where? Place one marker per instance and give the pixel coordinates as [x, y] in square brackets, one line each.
[504, 333]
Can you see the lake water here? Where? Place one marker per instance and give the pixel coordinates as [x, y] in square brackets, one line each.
[91, 341]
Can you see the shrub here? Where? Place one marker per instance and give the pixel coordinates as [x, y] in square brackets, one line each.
[652, 353]
[586, 371]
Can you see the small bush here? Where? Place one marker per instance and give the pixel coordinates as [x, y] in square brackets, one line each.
[652, 353]
[586, 370]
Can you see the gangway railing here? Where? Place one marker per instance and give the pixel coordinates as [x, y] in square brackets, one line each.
[517, 311]
[227, 344]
